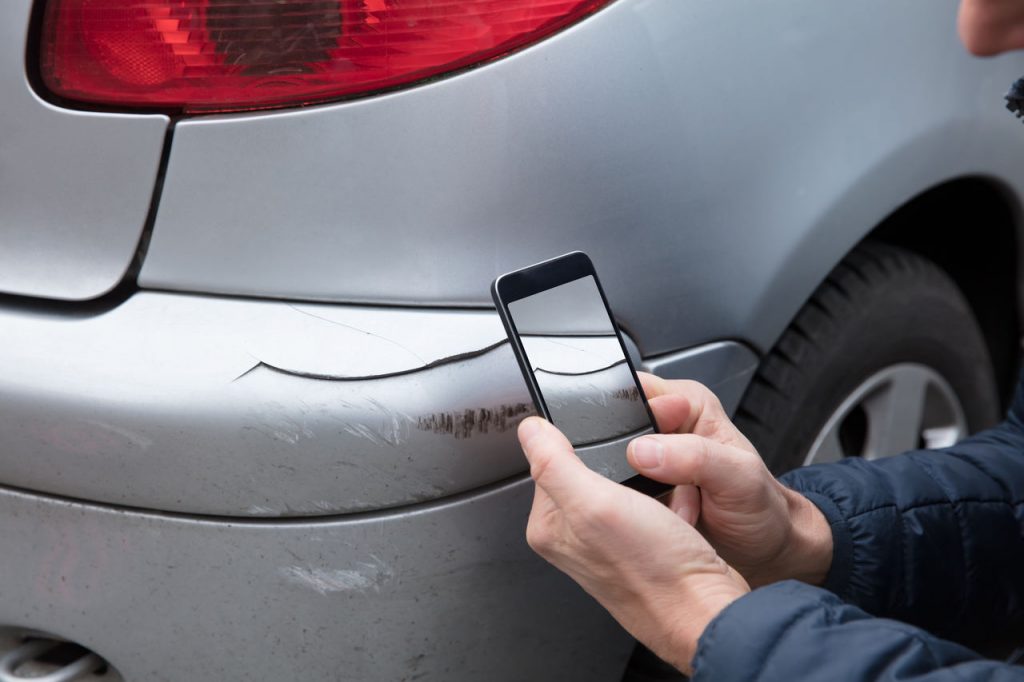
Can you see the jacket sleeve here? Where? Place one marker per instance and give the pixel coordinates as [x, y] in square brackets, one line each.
[792, 631]
[933, 538]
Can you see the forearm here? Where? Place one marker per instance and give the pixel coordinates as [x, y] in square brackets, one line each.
[907, 528]
[791, 631]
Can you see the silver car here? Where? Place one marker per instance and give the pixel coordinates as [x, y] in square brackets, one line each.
[256, 412]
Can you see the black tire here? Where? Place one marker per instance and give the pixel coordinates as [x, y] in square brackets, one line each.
[880, 306]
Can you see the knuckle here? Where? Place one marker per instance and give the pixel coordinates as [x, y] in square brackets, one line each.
[538, 466]
[539, 538]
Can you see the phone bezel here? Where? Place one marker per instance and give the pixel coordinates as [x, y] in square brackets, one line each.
[548, 274]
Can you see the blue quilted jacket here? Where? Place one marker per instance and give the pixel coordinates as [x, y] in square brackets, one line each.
[929, 560]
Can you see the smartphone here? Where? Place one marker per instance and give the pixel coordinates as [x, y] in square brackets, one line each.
[575, 363]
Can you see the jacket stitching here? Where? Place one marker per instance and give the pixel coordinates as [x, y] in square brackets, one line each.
[973, 461]
[922, 505]
[922, 638]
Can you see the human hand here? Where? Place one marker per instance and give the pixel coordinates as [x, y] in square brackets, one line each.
[650, 569]
[765, 530]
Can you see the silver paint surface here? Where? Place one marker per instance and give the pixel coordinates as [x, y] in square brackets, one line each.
[75, 187]
[725, 367]
[716, 160]
[440, 592]
[608, 458]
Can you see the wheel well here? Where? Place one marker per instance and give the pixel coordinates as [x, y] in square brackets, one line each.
[968, 227]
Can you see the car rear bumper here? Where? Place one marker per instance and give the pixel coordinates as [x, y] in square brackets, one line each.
[242, 408]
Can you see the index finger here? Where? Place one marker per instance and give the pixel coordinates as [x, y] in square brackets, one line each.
[666, 397]
[702, 414]
[652, 384]
[672, 410]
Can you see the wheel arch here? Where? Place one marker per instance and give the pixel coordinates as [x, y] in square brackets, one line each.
[971, 228]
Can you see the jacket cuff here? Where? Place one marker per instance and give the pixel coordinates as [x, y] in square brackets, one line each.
[838, 577]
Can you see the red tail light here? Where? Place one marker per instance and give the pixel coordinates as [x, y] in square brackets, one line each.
[223, 55]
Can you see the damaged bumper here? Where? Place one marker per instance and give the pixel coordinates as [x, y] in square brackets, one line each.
[241, 408]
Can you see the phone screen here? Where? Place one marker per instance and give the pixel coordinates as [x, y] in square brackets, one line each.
[576, 358]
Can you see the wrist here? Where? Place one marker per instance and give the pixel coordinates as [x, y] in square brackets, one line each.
[809, 550]
[705, 597]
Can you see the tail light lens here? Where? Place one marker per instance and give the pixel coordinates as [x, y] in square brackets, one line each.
[229, 55]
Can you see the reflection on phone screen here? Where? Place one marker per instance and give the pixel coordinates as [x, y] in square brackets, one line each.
[578, 363]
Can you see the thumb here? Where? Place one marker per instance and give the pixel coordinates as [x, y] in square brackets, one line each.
[680, 459]
[553, 462]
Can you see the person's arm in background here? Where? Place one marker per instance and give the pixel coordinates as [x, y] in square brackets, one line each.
[793, 632]
[934, 538]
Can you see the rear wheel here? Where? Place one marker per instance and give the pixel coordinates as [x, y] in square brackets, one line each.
[885, 357]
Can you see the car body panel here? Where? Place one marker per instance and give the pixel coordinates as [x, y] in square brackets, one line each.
[445, 591]
[75, 186]
[234, 407]
[725, 366]
[641, 128]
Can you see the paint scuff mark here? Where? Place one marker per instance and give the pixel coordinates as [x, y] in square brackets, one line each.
[392, 430]
[276, 424]
[282, 432]
[475, 421]
[136, 439]
[369, 575]
[370, 434]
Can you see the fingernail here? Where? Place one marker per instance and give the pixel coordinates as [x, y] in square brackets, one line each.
[648, 453]
[528, 428]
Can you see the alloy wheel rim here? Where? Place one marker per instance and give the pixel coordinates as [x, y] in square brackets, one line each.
[902, 407]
